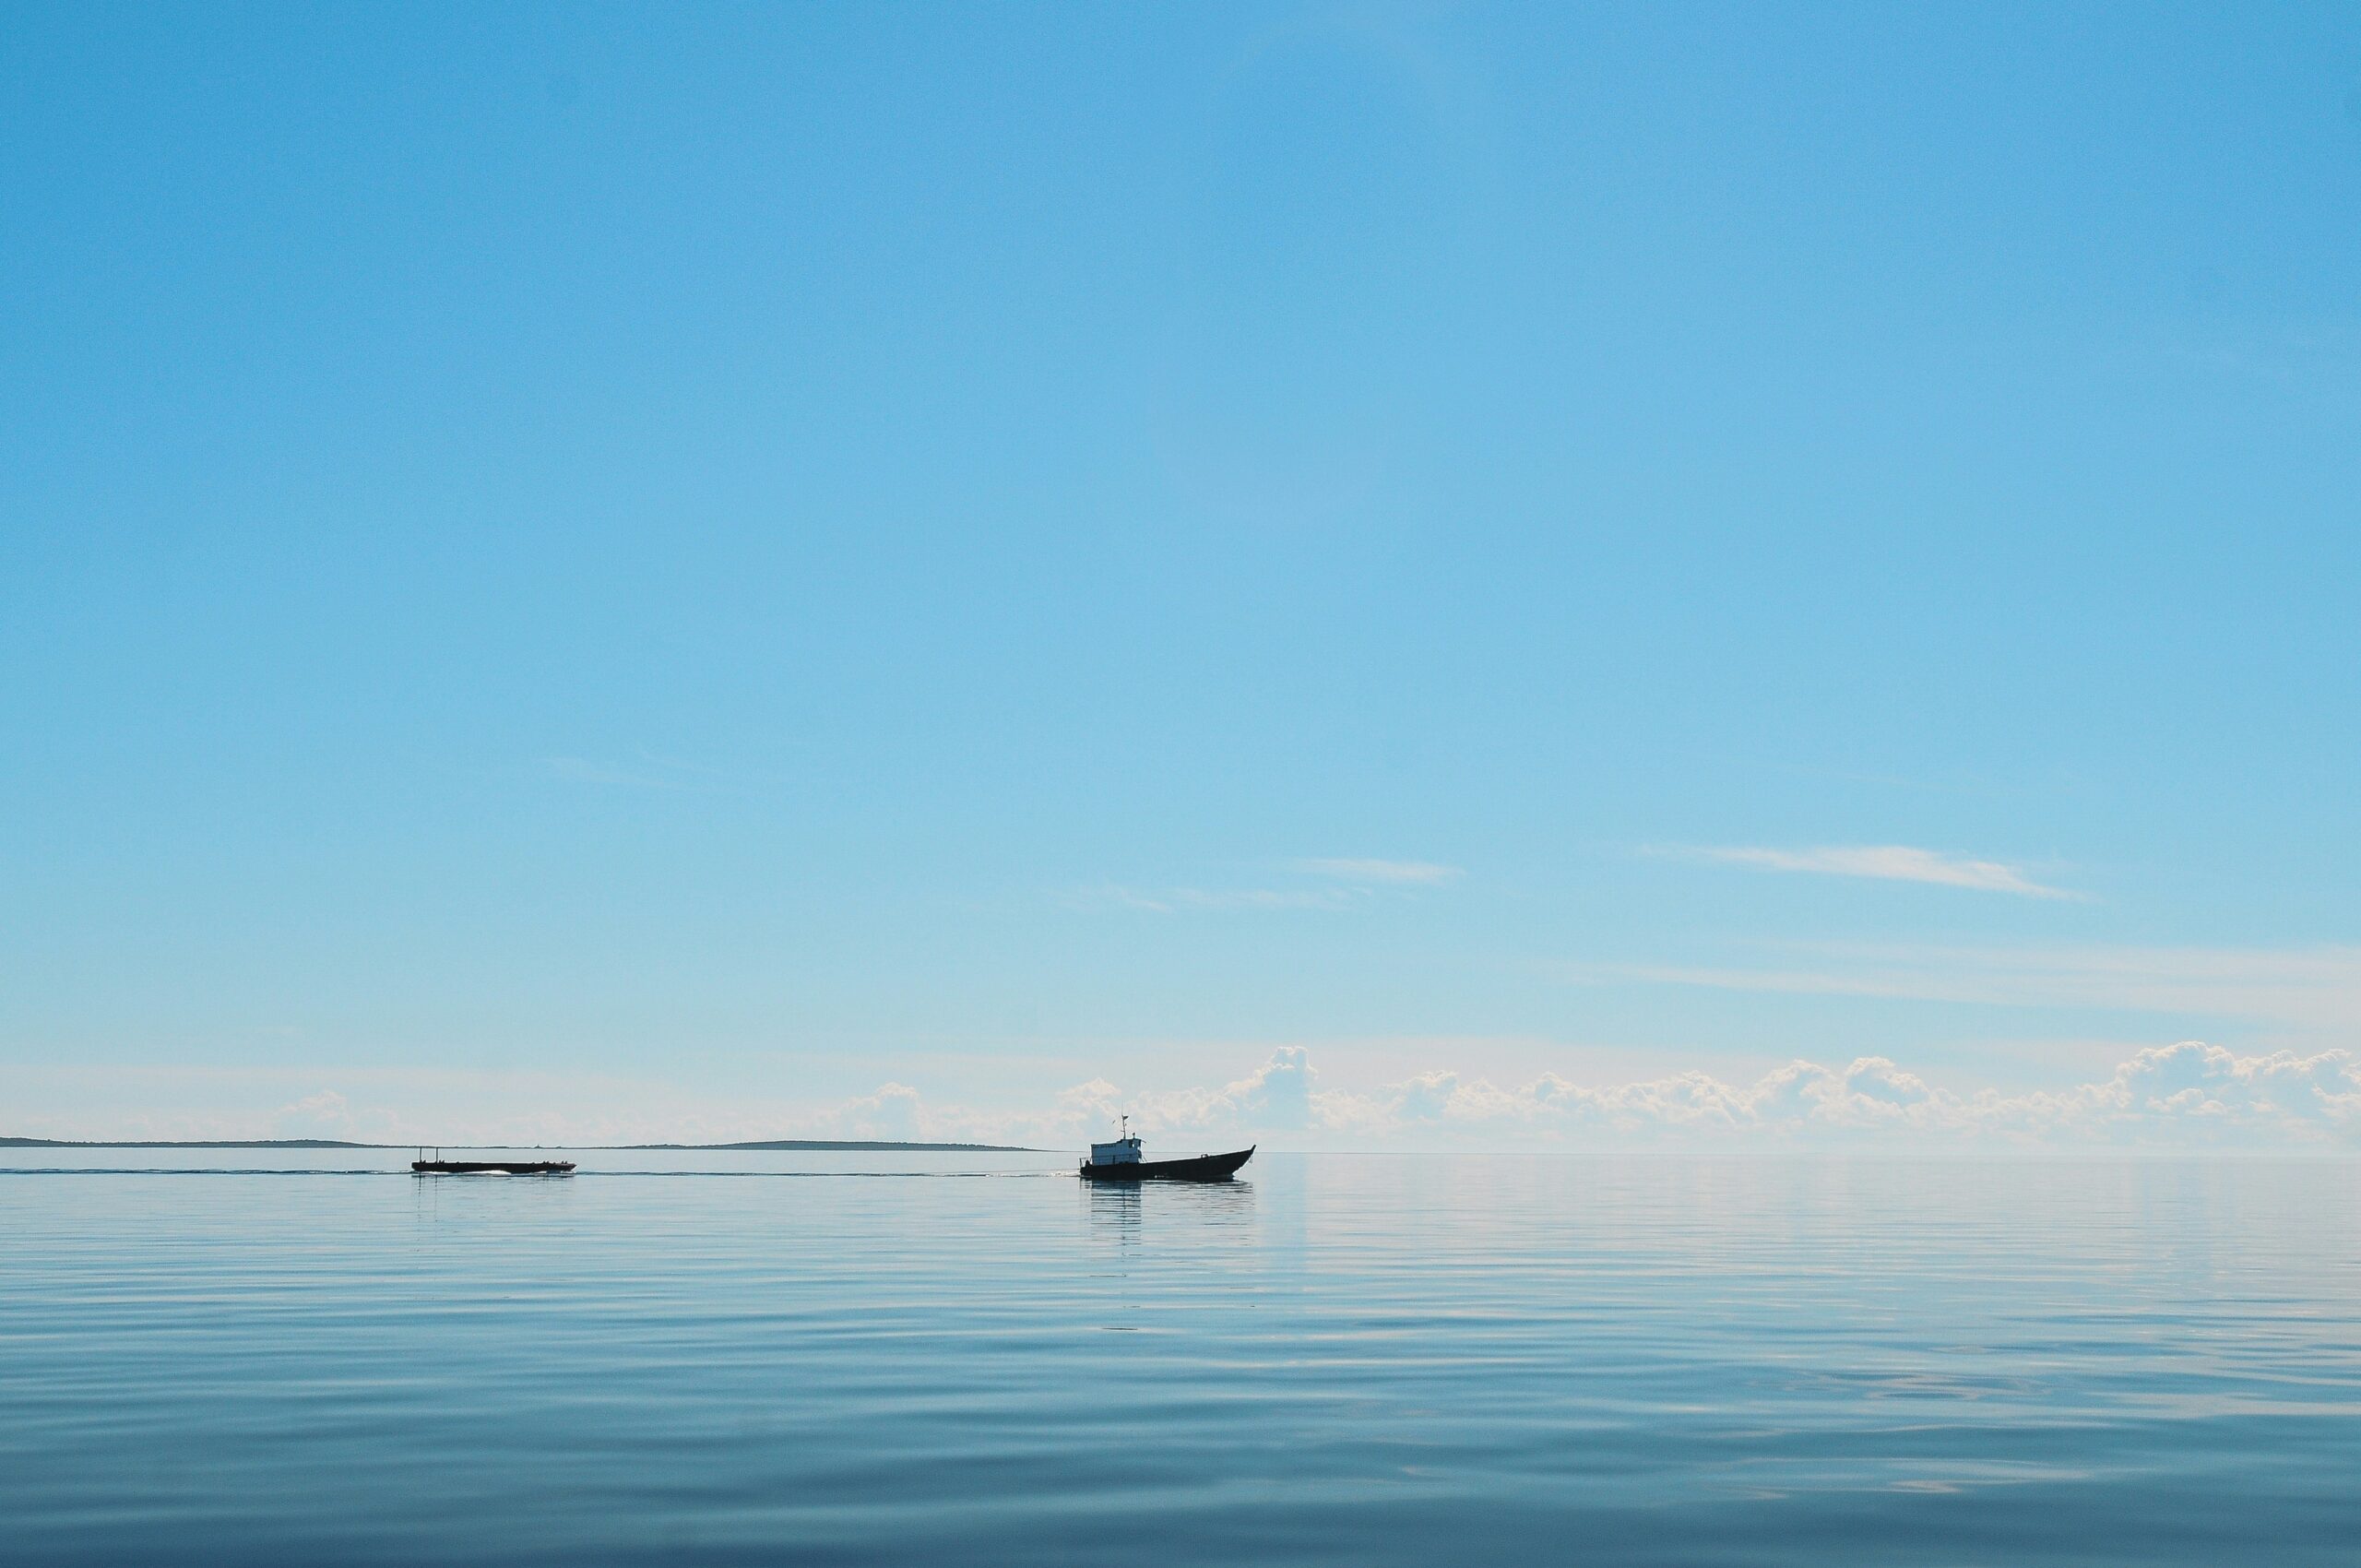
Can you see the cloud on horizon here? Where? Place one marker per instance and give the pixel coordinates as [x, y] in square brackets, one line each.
[1884, 862]
[2185, 1097]
[2188, 1095]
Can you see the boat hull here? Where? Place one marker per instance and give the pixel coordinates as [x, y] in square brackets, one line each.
[1204, 1168]
[492, 1167]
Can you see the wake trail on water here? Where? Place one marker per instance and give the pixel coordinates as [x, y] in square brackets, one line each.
[509, 1176]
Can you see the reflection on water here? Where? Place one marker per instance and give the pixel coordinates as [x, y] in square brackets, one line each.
[1115, 1206]
[1124, 1206]
[1343, 1359]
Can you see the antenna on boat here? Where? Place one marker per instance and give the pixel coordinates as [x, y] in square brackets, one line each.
[1126, 1130]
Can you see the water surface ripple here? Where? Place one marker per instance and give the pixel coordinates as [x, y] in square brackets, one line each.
[1343, 1359]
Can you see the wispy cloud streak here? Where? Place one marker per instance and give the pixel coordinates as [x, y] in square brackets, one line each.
[1886, 862]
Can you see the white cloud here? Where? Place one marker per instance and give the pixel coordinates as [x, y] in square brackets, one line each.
[2186, 1096]
[2189, 1095]
[1888, 863]
[895, 1113]
[327, 1114]
[1278, 1095]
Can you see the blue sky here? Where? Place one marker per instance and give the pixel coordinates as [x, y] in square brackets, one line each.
[687, 564]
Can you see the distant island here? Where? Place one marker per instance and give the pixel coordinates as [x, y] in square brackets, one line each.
[339, 1143]
[842, 1144]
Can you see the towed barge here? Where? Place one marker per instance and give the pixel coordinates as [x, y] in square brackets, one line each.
[439, 1166]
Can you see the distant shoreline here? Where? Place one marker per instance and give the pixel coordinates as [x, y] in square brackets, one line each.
[833, 1143]
[855, 1145]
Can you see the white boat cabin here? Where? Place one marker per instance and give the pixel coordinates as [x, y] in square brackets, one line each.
[1124, 1150]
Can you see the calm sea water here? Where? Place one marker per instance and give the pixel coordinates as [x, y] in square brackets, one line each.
[1343, 1359]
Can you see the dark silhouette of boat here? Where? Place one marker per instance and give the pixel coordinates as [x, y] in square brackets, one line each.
[1121, 1161]
[439, 1166]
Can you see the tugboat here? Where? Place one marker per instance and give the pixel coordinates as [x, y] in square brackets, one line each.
[1121, 1161]
[439, 1166]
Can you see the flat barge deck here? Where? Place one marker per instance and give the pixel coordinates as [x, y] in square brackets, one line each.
[492, 1168]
